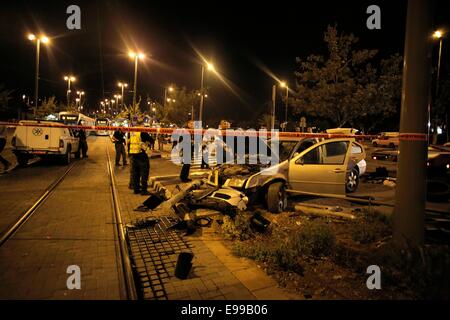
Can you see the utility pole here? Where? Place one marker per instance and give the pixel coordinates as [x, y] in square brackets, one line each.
[200, 116]
[274, 92]
[409, 212]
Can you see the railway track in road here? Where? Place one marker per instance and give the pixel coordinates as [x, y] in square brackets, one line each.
[24, 217]
[125, 260]
[125, 272]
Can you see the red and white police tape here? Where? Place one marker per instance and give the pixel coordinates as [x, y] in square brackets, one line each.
[211, 131]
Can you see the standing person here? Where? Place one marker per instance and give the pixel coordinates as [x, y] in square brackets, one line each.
[82, 145]
[139, 145]
[184, 174]
[5, 162]
[119, 143]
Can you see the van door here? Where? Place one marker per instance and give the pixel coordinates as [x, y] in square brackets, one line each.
[38, 138]
[321, 168]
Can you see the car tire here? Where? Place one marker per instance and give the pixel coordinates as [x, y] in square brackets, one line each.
[67, 156]
[276, 197]
[22, 159]
[352, 181]
[375, 144]
[438, 190]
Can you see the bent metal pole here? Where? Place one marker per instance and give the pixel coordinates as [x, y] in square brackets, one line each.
[409, 212]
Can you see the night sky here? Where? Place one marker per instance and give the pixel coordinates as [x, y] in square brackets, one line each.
[241, 38]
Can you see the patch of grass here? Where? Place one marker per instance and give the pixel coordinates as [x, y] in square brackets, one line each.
[424, 272]
[315, 239]
[370, 227]
[237, 228]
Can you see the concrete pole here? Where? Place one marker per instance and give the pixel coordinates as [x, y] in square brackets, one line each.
[410, 201]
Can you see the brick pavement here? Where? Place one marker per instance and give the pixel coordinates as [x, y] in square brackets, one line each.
[216, 273]
[73, 227]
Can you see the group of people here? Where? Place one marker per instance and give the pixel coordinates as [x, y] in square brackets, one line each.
[138, 145]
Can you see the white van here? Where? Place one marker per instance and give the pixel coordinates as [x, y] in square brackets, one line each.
[45, 139]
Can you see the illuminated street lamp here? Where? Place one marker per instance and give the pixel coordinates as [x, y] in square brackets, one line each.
[136, 56]
[210, 67]
[170, 89]
[80, 96]
[439, 35]
[69, 80]
[38, 40]
[122, 85]
[284, 85]
[117, 97]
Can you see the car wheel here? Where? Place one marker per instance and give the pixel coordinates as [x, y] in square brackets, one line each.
[67, 155]
[22, 159]
[438, 190]
[375, 144]
[352, 181]
[276, 197]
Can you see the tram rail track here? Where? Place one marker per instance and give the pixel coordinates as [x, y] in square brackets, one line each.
[24, 217]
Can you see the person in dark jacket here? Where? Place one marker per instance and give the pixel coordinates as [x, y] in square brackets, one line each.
[82, 146]
[119, 143]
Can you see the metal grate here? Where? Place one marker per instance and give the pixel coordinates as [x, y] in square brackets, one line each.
[154, 251]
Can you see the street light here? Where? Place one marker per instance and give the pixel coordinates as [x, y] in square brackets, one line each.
[170, 89]
[210, 67]
[284, 85]
[38, 40]
[122, 85]
[439, 35]
[117, 97]
[80, 94]
[69, 80]
[136, 56]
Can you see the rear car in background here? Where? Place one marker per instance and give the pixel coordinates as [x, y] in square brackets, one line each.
[387, 140]
[46, 140]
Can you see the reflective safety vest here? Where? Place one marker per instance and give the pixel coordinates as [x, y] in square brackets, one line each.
[135, 143]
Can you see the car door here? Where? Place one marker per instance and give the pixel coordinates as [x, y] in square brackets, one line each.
[322, 168]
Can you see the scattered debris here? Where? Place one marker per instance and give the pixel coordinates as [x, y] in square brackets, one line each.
[321, 211]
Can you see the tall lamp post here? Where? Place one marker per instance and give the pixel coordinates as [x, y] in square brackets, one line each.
[69, 80]
[117, 97]
[439, 35]
[136, 56]
[170, 89]
[80, 94]
[210, 67]
[122, 85]
[284, 85]
[38, 40]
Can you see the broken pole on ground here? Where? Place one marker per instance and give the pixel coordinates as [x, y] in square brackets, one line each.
[409, 212]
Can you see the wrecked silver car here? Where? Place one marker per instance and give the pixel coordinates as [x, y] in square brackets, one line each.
[309, 165]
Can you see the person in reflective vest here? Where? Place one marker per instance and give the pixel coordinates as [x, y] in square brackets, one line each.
[140, 164]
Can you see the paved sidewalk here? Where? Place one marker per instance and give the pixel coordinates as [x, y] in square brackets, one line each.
[73, 227]
[216, 273]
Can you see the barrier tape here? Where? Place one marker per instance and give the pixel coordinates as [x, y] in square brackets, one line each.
[247, 133]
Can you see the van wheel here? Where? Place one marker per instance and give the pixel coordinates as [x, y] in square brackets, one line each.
[352, 181]
[22, 159]
[67, 155]
[276, 197]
